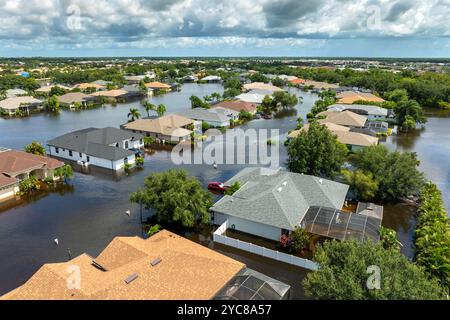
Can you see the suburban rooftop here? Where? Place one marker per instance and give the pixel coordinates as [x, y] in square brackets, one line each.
[96, 142]
[279, 198]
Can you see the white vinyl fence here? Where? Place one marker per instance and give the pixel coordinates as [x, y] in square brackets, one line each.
[265, 252]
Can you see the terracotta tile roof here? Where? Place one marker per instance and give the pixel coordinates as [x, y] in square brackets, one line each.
[237, 106]
[349, 97]
[157, 85]
[14, 162]
[187, 271]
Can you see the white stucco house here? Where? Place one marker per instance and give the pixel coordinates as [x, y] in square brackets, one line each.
[108, 148]
[272, 203]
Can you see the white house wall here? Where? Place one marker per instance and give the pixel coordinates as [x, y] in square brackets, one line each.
[250, 227]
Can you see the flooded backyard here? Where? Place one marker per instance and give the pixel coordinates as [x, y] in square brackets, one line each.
[86, 215]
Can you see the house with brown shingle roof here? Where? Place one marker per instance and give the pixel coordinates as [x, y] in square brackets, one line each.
[158, 86]
[18, 165]
[162, 267]
[26, 104]
[172, 128]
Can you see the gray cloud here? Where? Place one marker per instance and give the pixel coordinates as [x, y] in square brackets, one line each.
[115, 23]
[283, 13]
[399, 8]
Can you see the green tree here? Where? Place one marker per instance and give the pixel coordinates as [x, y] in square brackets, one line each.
[343, 274]
[388, 239]
[327, 98]
[35, 148]
[196, 102]
[284, 99]
[161, 110]
[149, 107]
[395, 172]
[299, 123]
[233, 83]
[267, 104]
[148, 141]
[245, 116]
[52, 104]
[432, 236]
[175, 197]
[299, 239]
[316, 152]
[278, 82]
[362, 183]
[231, 93]
[29, 184]
[233, 188]
[64, 172]
[408, 112]
[258, 77]
[134, 114]
[57, 91]
[216, 96]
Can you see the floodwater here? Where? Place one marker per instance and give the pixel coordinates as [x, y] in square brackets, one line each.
[89, 213]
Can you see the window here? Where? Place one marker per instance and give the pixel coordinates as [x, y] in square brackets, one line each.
[88, 159]
[125, 160]
[81, 155]
[117, 145]
[57, 150]
[70, 153]
[126, 144]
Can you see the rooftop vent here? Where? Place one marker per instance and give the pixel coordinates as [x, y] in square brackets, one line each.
[98, 265]
[321, 181]
[285, 184]
[280, 189]
[131, 278]
[155, 262]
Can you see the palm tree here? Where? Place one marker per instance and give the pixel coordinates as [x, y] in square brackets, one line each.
[149, 107]
[161, 110]
[134, 114]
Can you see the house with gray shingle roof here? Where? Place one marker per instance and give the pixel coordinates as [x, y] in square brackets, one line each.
[108, 148]
[274, 202]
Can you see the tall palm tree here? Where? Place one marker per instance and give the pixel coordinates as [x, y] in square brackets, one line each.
[149, 107]
[134, 114]
[161, 110]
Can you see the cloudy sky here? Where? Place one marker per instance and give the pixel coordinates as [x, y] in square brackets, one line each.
[400, 28]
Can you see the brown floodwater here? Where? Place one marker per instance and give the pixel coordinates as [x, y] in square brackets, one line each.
[88, 213]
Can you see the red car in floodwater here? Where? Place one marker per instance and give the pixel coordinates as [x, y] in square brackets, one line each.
[217, 186]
